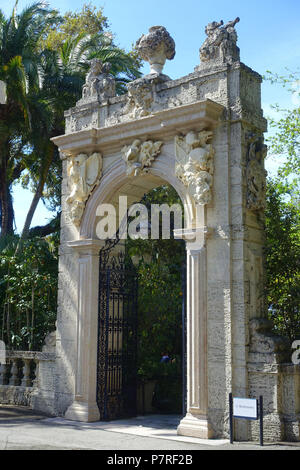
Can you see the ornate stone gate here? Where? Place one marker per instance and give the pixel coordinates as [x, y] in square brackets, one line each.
[202, 134]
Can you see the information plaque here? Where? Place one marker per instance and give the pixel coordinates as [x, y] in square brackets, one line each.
[245, 408]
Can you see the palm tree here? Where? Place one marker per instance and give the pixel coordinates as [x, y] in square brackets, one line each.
[63, 74]
[20, 71]
[41, 84]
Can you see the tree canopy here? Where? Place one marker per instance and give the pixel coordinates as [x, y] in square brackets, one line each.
[43, 61]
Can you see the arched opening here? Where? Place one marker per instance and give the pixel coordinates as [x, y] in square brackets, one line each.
[141, 306]
[115, 183]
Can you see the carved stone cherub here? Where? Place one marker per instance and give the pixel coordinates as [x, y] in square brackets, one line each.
[220, 44]
[99, 83]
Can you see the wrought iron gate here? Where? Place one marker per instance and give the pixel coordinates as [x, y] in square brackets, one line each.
[117, 337]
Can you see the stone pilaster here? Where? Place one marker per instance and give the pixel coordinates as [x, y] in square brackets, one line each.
[196, 423]
[84, 407]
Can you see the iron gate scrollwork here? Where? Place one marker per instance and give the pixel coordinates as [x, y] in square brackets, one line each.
[117, 336]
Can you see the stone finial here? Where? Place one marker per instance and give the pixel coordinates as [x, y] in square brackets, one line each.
[220, 44]
[155, 47]
[99, 83]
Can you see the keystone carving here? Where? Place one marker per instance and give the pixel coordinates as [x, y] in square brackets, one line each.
[255, 173]
[84, 173]
[99, 83]
[194, 164]
[220, 44]
[139, 156]
[155, 47]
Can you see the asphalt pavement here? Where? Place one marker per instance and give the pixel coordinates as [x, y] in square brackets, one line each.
[23, 429]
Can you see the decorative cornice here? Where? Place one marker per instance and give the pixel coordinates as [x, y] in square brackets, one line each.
[202, 114]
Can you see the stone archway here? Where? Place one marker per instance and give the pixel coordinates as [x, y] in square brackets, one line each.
[203, 135]
[114, 182]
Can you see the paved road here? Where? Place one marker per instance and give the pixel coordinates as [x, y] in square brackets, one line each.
[22, 429]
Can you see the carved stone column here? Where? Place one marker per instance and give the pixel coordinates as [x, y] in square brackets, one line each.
[195, 423]
[14, 379]
[3, 373]
[84, 407]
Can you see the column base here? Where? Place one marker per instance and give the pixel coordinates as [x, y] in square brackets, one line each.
[81, 411]
[195, 426]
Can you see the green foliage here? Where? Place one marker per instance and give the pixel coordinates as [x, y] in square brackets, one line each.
[159, 296]
[283, 213]
[28, 292]
[21, 70]
[73, 24]
[159, 317]
[283, 259]
[43, 60]
[285, 140]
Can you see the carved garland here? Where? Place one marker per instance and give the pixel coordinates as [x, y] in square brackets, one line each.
[194, 164]
[255, 173]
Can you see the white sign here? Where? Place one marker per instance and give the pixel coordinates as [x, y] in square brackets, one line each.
[245, 408]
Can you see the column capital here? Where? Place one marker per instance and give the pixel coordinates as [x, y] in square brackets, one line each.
[88, 246]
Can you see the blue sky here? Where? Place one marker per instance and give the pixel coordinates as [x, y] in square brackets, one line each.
[269, 39]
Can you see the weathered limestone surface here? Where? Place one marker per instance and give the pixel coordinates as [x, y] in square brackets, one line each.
[230, 348]
[17, 384]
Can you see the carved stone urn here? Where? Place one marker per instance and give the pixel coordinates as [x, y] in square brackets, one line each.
[155, 47]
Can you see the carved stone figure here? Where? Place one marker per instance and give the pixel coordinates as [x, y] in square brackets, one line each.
[155, 47]
[99, 83]
[50, 342]
[194, 164]
[140, 98]
[255, 173]
[139, 156]
[220, 44]
[83, 172]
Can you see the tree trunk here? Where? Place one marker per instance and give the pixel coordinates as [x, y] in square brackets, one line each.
[39, 192]
[7, 212]
[36, 198]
